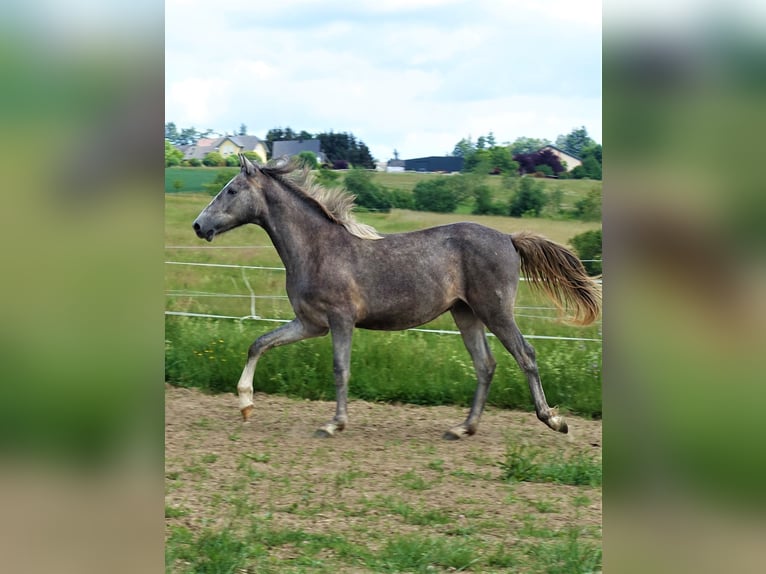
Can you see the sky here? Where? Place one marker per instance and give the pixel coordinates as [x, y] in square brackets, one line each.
[414, 76]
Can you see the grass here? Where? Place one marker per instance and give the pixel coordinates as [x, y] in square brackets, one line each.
[402, 532]
[263, 548]
[210, 353]
[526, 463]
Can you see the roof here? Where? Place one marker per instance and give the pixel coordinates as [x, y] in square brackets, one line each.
[205, 145]
[248, 143]
[294, 147]
[434, 163]
[558, 149]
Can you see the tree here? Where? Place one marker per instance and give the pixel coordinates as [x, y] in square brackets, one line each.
[529, 198]
[575, 141]
[529, 163]
[463, 148]
[173, 155]
[589, 207]
[588, 246]
[308, 159]
[525, 145]
[484, 204]
[435, 195]
[359, 183]
[242, 130]
[186, 136]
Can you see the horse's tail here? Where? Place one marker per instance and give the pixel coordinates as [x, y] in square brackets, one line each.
[557, 272]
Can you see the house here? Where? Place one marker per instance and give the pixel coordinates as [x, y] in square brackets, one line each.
[567, 160]
[395, 165]
[226, 146]
[446, 164]
[291, 148]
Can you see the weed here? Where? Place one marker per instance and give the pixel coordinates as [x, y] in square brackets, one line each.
[522, 463]
[419, 554]
[437, 465]
[413, 481]
[173, 512]
[209, 458]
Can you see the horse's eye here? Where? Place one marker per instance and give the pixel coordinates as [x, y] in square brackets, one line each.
[232, 191]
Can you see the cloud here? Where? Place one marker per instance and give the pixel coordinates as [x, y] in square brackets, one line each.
[395, 75]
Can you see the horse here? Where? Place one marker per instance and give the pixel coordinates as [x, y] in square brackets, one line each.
[342, 274]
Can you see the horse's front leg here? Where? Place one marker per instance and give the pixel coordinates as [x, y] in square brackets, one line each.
[341, 347]
[291, 332]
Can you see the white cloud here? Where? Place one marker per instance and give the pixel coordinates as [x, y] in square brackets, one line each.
[415, 79]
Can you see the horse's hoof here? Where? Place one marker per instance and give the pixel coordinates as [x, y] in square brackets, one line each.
[322, 433]
[246, 412]
[558, 424]
[456, 433]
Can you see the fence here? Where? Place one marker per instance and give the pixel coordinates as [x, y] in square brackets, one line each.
[253, 297]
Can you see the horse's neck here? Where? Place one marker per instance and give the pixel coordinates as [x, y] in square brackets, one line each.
[296, 228]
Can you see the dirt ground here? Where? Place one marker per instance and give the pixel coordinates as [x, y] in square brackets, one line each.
[221, 471]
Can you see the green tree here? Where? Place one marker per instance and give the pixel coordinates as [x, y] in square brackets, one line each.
[231, 160]
[463, 148]
[529, 198]
[525, 145]
[359, 183]
[588, 247]
[173, 155]
[589, 207]
[435, 195]
[483, 202]
[308, 159]
[575, 141]
[242, 130]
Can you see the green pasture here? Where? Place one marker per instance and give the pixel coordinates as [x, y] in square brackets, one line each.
[189, 179]
[192, 180]
[413, 367]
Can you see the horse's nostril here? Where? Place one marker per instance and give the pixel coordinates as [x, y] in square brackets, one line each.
[196, 226]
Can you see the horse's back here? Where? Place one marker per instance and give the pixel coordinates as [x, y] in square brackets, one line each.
[410, 278]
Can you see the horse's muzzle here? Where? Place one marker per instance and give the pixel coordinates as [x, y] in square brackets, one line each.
[207, 235]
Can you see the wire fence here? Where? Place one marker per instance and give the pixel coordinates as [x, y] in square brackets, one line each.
[252, 297]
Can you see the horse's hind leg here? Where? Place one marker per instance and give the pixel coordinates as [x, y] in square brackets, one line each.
[291, 332]
[341, 332]
[506, 330]
[472, 330]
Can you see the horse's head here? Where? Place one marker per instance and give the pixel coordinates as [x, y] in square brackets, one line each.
[239, 202]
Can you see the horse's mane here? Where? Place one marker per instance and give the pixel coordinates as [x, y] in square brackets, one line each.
[335, 203]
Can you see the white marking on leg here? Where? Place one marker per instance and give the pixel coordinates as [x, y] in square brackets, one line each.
[245, 386]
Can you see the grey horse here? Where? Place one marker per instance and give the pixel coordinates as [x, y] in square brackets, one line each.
[342, 274]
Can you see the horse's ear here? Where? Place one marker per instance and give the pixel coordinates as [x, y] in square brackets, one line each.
[246, 165]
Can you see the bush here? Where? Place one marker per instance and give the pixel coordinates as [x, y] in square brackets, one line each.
[195, 162]
[232, 160]
[484, 204]
[401, 199]
[368, 195]
[529, 198]
[589, 207]
[327, 177]
[220, 180]
[544, 169]
[588, 246]
[307, 159]
[436, 195]
[213, 159]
